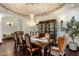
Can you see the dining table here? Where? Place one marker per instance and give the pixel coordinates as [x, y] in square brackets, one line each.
[42, 44]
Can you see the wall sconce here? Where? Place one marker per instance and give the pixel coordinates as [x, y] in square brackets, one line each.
[62, 20]
[10, 23]
[61, 25]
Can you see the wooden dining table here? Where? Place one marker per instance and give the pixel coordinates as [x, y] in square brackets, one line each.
[42, 45]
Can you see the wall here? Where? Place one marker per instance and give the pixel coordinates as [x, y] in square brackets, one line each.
[27, 28]
[1, 28]
[18, 24]
[6, 29]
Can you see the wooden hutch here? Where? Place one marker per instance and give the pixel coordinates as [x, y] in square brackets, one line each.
[48, 26]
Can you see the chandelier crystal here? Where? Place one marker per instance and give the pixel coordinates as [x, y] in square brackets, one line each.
[32, 22]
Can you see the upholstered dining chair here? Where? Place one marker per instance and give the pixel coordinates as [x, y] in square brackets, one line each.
[60, 50]
[29, 45]
[18, 39]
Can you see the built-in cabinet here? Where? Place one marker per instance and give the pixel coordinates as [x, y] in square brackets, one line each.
[48, 26]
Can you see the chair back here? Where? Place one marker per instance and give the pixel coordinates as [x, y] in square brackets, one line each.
[19, 36]
[16, 38]
[61, 43]
[28, 40]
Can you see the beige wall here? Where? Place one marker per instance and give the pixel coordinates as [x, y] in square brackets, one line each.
[1, 28]
[17, 24]
[27, 28]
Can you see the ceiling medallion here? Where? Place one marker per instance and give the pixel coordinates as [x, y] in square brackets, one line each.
[42, 14]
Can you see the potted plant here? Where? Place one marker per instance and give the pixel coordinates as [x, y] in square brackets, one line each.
[73, 30]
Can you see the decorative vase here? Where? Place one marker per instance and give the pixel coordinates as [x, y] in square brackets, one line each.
[73, 46]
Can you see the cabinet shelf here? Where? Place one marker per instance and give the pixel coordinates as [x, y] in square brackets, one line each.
[48, 26]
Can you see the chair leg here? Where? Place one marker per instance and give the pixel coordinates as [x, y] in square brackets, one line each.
[31, 53]
[24, 50]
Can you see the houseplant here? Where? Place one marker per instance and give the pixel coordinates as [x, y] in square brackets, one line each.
[73, 30]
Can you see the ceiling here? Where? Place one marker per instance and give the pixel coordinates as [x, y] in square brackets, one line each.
[25, 9]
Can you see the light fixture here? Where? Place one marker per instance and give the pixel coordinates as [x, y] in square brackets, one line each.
[32, 22]
[61, 25]
[62, 19]
[9, 23]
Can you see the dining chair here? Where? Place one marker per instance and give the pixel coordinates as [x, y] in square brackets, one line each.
[28, 45]
[60, 50]
[18, 40]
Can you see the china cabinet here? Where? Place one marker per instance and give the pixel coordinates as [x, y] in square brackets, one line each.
[48, 26]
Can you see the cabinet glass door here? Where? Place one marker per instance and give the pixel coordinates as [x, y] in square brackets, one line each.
[51, 26]
[48, 27]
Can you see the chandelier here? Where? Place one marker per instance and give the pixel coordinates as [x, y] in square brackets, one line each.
[32, 22]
